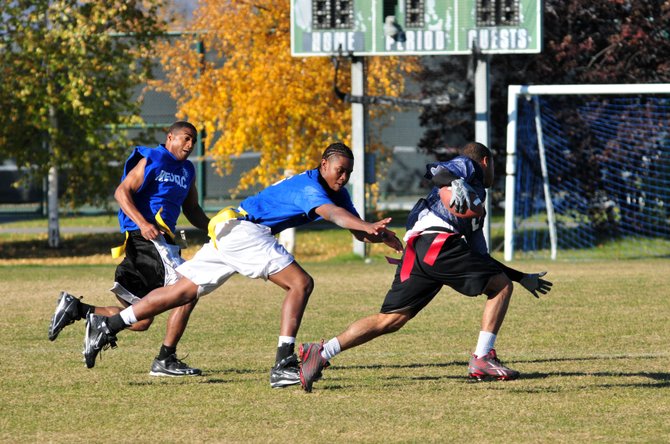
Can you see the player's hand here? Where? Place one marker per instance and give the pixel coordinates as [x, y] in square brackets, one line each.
[149, 231]
[460, 196]
[376, 228]
[390, 239]
[534, 283]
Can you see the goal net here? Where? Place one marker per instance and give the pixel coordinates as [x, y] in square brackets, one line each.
[588, 171]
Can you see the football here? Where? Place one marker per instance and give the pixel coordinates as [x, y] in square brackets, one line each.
[477, 209]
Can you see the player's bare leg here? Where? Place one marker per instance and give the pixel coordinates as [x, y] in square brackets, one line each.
[176, 323]
[162, 299]
[499, 292]
[112, 310]
[298, 286]
[484, 363]
[368, 328]
[167, 363]
[315, 356]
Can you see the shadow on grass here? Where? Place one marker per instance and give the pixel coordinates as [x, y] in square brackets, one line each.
[70, 246]
[75, 245]
[183, 380]
[657, 379]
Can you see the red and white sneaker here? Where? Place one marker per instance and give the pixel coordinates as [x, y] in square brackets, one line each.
[311, 364]
[489, 367]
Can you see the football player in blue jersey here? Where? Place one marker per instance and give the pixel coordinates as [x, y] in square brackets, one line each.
[243, 241]
[157, 184]
[442, 248]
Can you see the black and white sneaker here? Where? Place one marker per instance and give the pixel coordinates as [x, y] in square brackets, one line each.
[171, 366]
[285, 372]
[67, 311]
[98, 337]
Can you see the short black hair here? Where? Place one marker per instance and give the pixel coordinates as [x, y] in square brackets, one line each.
[337, 149]
[180, 125]
[475, 151]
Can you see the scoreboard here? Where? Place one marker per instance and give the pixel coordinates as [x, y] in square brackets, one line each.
[415, 27]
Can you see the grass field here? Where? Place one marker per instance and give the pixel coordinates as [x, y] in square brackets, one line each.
[593, 355]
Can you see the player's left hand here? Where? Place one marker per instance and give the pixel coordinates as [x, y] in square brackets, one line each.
[533, 283]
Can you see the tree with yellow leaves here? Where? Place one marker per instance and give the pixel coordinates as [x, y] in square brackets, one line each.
[254, 96]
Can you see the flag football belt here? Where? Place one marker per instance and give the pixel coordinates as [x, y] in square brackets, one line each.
[431, 254]
[226, 214]
[121, 249]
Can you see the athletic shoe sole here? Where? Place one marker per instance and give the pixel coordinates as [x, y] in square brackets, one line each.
[159, 374]
[485, 377]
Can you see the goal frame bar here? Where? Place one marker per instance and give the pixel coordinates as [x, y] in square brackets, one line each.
[514, 92]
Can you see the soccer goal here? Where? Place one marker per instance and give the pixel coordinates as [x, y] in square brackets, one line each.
[588, 171]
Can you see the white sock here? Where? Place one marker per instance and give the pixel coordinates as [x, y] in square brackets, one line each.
[285, 340]
[485, 343]
[128, 316]
[330, 349]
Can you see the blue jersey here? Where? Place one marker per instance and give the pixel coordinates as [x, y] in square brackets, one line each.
[291, 202]
[471, 229]
[166, 184]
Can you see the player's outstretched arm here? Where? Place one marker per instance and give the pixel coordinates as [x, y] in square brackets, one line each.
[364, 231]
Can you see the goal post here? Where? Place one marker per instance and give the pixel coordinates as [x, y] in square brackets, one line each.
[616, 138]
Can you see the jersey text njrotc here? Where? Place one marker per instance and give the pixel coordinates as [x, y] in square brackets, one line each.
[166, 184]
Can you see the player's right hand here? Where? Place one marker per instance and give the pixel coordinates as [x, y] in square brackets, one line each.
[149, 231]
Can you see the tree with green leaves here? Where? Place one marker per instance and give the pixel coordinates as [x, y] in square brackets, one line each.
[600, 41]
[69, 72]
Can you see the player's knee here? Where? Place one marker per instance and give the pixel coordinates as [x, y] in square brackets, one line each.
[499, 285]
[185, 292]
[305, 284]
[393, 322]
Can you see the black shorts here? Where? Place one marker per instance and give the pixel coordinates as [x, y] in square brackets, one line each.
[455, 265]
[142, 269]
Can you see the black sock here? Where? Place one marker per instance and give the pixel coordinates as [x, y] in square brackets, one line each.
[84, 310]
[165, 352]
[115, 323]
[284, 351]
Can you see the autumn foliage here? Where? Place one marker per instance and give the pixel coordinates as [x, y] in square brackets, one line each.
[249, 94]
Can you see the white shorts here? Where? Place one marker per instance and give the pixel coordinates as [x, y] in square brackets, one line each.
[171, 258]
[241, 247]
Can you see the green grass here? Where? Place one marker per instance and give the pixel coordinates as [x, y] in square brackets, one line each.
[593, 356]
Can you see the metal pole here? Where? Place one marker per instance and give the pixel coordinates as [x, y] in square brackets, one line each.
[52, 191]
[52, 177]
[482, 122]
[199, 145]
[510, 169]
[358, 116]
[551, 218]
